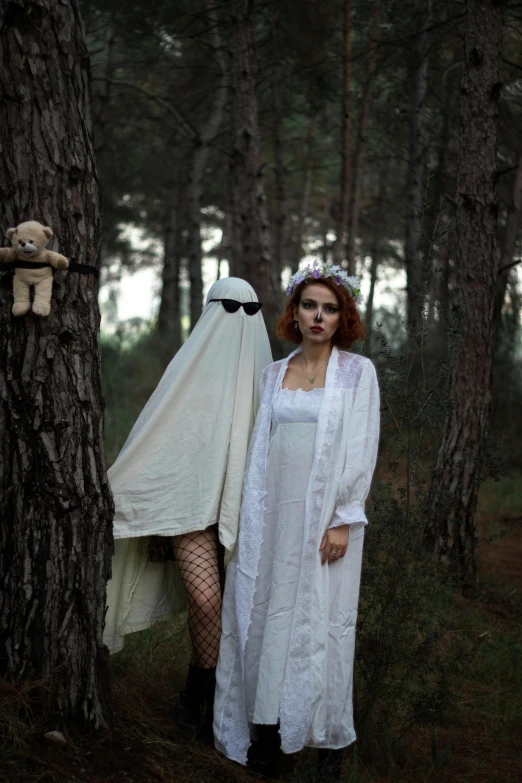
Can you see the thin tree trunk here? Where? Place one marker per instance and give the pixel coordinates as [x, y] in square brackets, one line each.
[102, 98]
[251, 243]
[456, 479]
[169, 316]
[376, 252]
[344, 200]
[509, 240]
[55, 502]
[376, 260]
[412, 248]
[299, 248]
[439, 234]
[280, 209]
[360, 148]
[197, 172]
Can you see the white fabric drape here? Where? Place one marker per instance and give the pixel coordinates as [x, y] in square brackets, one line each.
[316, 698]
[181, 468]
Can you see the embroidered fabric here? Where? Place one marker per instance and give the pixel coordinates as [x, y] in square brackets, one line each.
[296, 406]
[343, 375]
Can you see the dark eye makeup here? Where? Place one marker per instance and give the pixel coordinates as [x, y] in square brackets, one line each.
[310, 303]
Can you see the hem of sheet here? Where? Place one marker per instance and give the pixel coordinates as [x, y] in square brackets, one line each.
[134, 628]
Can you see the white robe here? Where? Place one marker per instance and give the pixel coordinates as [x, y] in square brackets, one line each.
[316, 698]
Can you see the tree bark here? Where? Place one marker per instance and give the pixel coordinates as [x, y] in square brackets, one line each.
[440, 235]
[360, 148]
[250, 246]
[169, 316]
[103, 95]
[412, 247]
[299, 248]
[456, 479]
[280, 211]
[197, 170]
[376, 260]
[55, 501]
[376, 252]
[509, 239]
[346, 159]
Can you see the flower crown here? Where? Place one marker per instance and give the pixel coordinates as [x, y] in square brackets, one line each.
[317, 271]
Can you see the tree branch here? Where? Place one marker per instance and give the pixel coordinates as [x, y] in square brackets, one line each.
[189, 130]
[509, 266]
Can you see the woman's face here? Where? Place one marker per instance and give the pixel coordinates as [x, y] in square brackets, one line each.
[317, 314]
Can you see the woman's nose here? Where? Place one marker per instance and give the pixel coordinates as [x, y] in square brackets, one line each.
[318, 316]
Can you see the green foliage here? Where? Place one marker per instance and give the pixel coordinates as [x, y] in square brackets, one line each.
[131, 368]
[405, 672]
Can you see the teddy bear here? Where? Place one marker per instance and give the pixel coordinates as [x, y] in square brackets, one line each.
[29, 242]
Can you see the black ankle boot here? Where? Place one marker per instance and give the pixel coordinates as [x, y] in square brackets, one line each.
[187, 712]
[264, 756]
[328, 769]
[209, 691]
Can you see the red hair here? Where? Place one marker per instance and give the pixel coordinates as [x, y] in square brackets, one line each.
[350, 327]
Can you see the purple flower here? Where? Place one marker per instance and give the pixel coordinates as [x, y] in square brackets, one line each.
[289, 290]
[338, 279]
[299, 280]
[316, 274]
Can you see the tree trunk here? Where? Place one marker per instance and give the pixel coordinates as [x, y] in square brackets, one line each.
[456, 479]
[375, 252]
[197, 172]
[440, 233]
[346, 161]
[376, 260]
[251, 243]
[280, 216]
[360, 149]
[102, 98]
[169, 316]
[412, 248]
[299, 248]
[509, 240]
[56, 505]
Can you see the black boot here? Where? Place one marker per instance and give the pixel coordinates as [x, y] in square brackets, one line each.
[209, 691]
[264, 756]
[328, 769]
[187, 712]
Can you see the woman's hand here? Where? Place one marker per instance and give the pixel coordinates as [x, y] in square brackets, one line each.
[334, 544]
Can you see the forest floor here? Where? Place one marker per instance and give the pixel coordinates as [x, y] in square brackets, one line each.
[483, 743]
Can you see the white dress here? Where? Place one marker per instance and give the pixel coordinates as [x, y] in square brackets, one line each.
[288, 622]
[290, 458]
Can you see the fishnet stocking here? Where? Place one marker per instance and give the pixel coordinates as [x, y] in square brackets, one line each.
[198, 561]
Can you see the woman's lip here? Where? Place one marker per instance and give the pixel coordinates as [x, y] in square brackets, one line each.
[317, 329]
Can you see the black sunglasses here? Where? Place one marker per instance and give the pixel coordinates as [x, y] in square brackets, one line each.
[231, 306]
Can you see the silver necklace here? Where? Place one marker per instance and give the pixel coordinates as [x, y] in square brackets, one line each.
[311, 381]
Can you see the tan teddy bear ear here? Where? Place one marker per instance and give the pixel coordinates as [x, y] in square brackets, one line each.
[11, 232]
[48, 232]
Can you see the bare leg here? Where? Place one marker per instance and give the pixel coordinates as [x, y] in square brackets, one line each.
[197, 558]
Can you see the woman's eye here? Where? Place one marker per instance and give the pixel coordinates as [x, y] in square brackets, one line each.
[307, 305]
[331, 309]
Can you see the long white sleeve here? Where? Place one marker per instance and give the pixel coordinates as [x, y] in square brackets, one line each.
[361, 455]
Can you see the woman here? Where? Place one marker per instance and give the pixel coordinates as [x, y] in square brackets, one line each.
[291, 594]
[179, 476]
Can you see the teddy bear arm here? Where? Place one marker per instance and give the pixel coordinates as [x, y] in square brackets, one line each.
[56, 260]
[7, 254]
